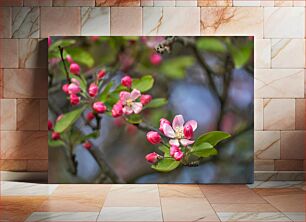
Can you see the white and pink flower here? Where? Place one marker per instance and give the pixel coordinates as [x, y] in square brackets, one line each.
[176, 153]
[129, 103]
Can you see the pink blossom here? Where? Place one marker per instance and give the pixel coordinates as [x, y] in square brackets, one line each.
[69, 59]
[176, 153]
[152, 42]
[75, 68]
[126, 81]
[155, 59]
[117, 110]
[55, 135]
[59, 117]
[75, 81]
[152, 157]
[153, 137]
[99, 107]
[145, 99]
[93, 90]
[188, 131]
[49, 41]
[101, 74]
[73, 88]
[74, 99]
[163, 121]
[90, 116]
[87, 145]
[176, 132]
[65, 88]
[50, 125]
[129, 103]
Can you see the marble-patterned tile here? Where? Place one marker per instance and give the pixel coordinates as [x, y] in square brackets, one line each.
[232, 20]
[130, 214]
[220, 3]
[69, 3]
[24, 144]
[124, 3]
[263, 53]
[279, 114]
[177, 190]
[253, 216]
[278, 19]
[186, 3]
[5, 3]
[282, 49]
[13, 165]
[299, 3]
[37, 165]
[146, 2]
[43, 114]
[95, 21]
[25, 22]
[300, 114]
[262, 207]
[276, 184]
[5, 22]
[9, 188]
[279, 176]
[25, 83]
[133, 196]
[279, 83]
[27, 113]
[266, 3]
[8, 114]
[163, 3]
[295, 216]
[284, 3]
[33, 53]
[267, 145]
[289, 165]
[37, 2]
[292, 144]
[8, 53]
[51, 17]
[159, 21]
[247, 3]
[263, 165]
[258, 116]
[63, 216]
[119, 16]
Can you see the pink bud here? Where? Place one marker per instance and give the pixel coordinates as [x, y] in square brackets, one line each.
[117, 110]
[188, 132]
[173, 149]
[49, 41]
[75, 68]
[126, 81]
[69, 59]
[145, 99]
[56, 135]
[93, 90]
[155, 59]
[99, 107]
[152, 157]
[87, 145]
[50, 125]
[74, 99]
[90, 116]
[59, 117]
[73, 88]
[163, 121]
[75, 81]
[153, 137]
[101, 74]
[65, 88]
[178, 155]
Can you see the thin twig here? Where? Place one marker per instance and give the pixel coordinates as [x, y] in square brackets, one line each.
[63, 60]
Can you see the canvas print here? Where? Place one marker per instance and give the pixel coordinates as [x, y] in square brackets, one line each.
[151, 109]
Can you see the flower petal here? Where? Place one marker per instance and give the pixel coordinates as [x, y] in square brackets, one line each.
[127, 110]
[135, 94]
[124, 96]
[137, 107]
[186, 142]
[168, 131]
[174, 142]
[193, 124]
[178, 122]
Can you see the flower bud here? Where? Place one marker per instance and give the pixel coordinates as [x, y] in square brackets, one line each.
[152, 157]
[75, 68]
[73, 88]
[93, 90]
[99, 107]
[126, 81]
[188, 132]
[87, 145]
[145, 99]
[65, 88]
[50, 125]
[153, 137]
[178, 155]
[75, 81]
[59, 117]
[173, 149]
[117, 110]
[74, 99]
[49, 41]
[163, 121]
[155, 59]
[69, 59]
[56, 135]
[90, 116]
[101, 74]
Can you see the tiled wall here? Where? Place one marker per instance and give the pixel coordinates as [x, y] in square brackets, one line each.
[278, 26]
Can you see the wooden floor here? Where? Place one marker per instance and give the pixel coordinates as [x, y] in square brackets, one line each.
[43, 202]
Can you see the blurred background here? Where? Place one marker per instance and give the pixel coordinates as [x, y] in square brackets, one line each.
[208, 79]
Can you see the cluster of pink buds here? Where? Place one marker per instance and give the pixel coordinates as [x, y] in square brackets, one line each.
[73, 89]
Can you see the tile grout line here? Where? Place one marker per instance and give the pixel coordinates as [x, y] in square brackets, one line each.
[160, 203]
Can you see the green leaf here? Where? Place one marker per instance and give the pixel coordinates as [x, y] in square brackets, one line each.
[143, 84]
[105, 92]
[213, 138]
[68, 119]
[166, 165]
[92, 135]
[55, 143]
[211, 44]
[81, 56]
[62, 42]
[165, 150]
[134, 118]
[176, 68]
[158, 102]
[203, 150]
[242, 54]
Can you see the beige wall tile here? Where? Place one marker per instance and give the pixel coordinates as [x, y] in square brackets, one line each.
[8, 114]
[1, 83]
[74, 3]
[95, 21]
[279, 83]
[279, 3]
[267, 145]
[262, 53]
[289, 165]
[258, 116]
[278, 22]
[246, 3]
[146, 2]
[264, 165]
[266, 2]
[186, 3]
[27, 114]
[300, 114]
[54, 21]
[126, 21]
[37, 165]
[159, 21]
[13, 165]
[43, 114]
[279, 114]
[37, 2]
[5, 22]
[8, 53]
[25, 83]
[4, 3]
[162, 3]
[284, 49]
[305, 82]
[299, 3]
[230, 21]
[24, 145]
[118, 3]
[215, 3]
[292, 144]
[25, 22]
[33, 53]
